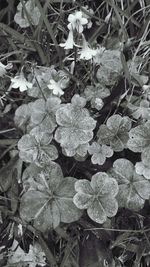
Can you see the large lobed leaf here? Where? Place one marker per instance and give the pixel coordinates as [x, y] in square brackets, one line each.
[50, 200]
[35, 147]
[134, 189]
[75, 125]
[139, 137]
[97, 196]
[115, 132]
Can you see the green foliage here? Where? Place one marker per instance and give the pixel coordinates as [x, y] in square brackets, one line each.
[139, 137]
[49, 200]
[75, 125]
[110, 67]
[18, 258]
[40, 77]
[95, 94]
[35, 147]
[80, 151]
[140, 109]
[39, 112]
[76, 75]
[97, 196]
[115, 132]
[99, 153]
[134, 189]
[22, 18]
[143, 167]
[22, 116]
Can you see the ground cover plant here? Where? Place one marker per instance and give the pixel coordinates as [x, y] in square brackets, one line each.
[75, 133]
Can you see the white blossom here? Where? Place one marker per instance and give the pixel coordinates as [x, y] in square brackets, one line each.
[76, 21]
[20, 82]
[100, 51]
[69, 42]
[86, 52]
[55, 87]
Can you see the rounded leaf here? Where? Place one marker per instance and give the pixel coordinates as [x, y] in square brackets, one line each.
[128, 198]
[32, 203]
[139, 137]
[82, 200]
[78, 101]
[22, 116]
[50, 201]
[133, 188]
[76, 126]
[110, 205]
[96, 212]
[115, 132]
[97, 196]
[64, 197]
[103, 185]
[27, 148]
[123, 170]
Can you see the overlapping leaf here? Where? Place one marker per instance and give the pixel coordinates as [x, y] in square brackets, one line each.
[110, 67]
[115, 132]
[50, 200]
[99, 153]
[143, 167]
[95, 94]
[33, 12]
[19, 258]
[75, 126]
[134, 189]
[39, 112]
[139, 137]
[97, 196]
[35, 147]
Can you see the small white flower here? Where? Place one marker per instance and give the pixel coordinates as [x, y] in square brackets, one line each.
[4, 68]
[21, 83]
[77, 21]
[100, 50]
[55, 87]
[69, 42]
[86, 52]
